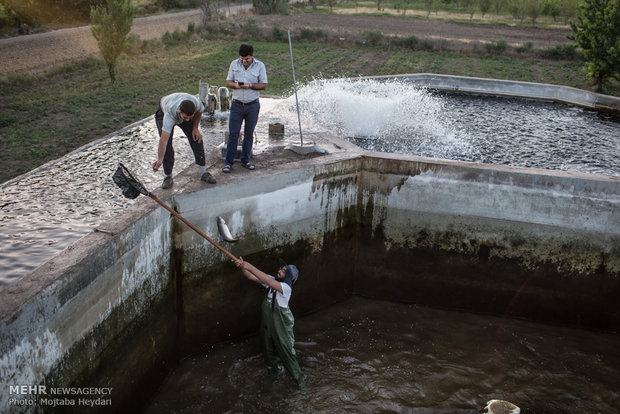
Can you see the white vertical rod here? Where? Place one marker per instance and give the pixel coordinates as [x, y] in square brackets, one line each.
[290, 46]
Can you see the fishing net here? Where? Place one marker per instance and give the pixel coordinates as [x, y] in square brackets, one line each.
[130, 185]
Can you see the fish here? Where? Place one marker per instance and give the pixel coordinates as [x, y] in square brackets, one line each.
[501, 407]
[225, 232]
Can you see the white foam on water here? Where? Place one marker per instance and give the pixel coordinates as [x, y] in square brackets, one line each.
[389, 116]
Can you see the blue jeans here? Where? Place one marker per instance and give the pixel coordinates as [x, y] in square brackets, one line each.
[187, 127]
[238, 114]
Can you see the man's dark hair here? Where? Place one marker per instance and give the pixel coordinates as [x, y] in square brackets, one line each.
[187, 107]
[246, 50]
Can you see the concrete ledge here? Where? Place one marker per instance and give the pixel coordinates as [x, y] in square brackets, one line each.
[498, 87]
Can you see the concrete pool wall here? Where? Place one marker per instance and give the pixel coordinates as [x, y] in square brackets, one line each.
[501, 87]
[118, 308]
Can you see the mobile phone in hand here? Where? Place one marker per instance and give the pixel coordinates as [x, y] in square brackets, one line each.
[240, 83]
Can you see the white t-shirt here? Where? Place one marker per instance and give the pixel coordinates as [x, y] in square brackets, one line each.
[170, 105]
[281, 298]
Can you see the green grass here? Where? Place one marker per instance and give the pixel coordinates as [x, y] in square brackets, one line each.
[46, 116]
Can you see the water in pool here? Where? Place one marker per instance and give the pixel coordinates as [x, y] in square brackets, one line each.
[368, 356]
[398, 117]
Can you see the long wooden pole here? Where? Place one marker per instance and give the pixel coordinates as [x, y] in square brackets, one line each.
[191, 226]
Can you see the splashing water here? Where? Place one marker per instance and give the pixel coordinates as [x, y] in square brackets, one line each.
[381, 116]
[396, 117]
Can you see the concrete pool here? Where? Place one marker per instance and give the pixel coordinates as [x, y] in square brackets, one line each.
[118, 308]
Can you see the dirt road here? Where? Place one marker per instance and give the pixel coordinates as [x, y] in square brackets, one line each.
[40, 52]
[44, 51]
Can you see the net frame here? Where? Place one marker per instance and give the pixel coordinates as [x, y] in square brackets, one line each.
[130, 185]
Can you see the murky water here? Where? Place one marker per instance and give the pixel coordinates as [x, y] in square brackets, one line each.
[47, 210]
[367, 356]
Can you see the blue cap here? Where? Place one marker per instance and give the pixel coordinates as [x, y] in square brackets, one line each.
[292, 273]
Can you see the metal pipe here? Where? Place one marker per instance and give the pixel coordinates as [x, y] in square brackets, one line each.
[290, 46]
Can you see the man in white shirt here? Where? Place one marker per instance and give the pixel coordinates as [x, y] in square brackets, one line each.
[246, 77]
[184, 110]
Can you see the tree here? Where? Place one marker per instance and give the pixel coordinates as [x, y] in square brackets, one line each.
[485, 6]
[532, 8]
[470, 7]
[167, 4]
[429, 7]
[597, 32]
[403, 5]
[552, 8]
[40, 12]
[110, 26]
[270, 6]
[517, 9]
[569, 9]
[209, 11]
[498, 5]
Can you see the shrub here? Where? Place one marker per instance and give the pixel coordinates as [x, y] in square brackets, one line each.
[189, 4]
[427, 44]
[167, 4]
[278, 35]
[250, 29]
[7, 19]
[498, 47]
[174, 38]
[442, 44]
[7, 119]
[527, 46]
[565, 51]
[312, 35]
[409, 42]
[39, 12]
[136, 46]
[270, 6]
[373, 37]
[217, 30]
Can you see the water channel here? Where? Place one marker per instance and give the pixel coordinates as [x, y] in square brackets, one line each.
[43, 212]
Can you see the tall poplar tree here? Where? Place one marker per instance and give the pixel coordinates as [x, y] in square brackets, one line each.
[597, 32]
[110, 26]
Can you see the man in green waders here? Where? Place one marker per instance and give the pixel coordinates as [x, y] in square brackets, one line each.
[276, 318]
